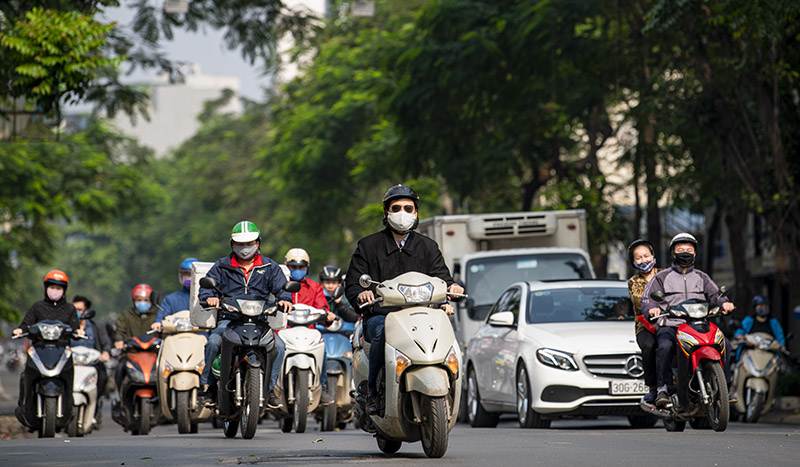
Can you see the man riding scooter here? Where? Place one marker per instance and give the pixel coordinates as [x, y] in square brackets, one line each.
[98, 339]
[178, 300]
[244, 271]
[331, 278]
[385, 255]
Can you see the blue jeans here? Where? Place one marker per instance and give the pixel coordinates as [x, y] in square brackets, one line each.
[215, 343]
[373, 333]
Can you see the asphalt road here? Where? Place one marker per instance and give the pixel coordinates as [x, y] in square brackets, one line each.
[601, 442]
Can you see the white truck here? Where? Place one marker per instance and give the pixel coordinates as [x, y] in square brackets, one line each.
[489, 252]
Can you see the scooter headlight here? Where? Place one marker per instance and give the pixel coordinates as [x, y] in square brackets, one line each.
[183, 325]
[50, 332]
[452, 361]
[696, 310]
[301, 316]
[401, 363]
[251, 307]
[416, 293]
[80, 359]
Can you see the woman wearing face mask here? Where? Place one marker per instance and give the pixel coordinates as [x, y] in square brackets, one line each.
[760, 322]
[640, 256]
[138, 319]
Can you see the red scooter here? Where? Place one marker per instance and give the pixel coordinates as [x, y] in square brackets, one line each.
[702, 390]
[138, 409]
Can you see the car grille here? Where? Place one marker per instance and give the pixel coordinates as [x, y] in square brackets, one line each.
[613, 366]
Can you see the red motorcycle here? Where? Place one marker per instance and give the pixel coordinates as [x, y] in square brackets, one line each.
[138, 410]
[702, 390]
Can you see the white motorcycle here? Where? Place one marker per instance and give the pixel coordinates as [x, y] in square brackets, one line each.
[419, 387]
[300, 385]
[84, 391]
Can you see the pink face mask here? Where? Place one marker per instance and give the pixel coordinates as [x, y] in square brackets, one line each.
[55, 294]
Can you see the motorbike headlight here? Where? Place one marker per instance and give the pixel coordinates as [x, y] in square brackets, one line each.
[183, 325]
[300, 316]
[557, 359]
[696, 310]
[416, 293]
[401, 363]
[251, 307]
[452, 361]
[80, 359]
[50, 332]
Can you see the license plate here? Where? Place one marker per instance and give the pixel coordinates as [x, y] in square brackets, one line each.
[616, 388]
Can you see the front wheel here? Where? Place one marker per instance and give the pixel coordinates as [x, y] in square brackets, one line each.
[434, 426]
[251, 409]
[718, 411]
[48, 429]
[300, 407]
[184, 420]
[144, 416]
[673, 425]
[478, 417]
[329, 411]
[528, 418]
[755, 404]
[72, 427]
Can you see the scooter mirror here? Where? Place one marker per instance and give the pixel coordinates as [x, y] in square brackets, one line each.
[338, 292]
[723, 291]
[365, 281]
[88, 314]
[292, 287]
[208, 283]
[657, 295]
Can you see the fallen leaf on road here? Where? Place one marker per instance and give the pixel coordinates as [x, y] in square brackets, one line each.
[318, 440]
[144, 458]
[67, 440]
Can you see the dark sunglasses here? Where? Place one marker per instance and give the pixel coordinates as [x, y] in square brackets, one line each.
[407, 208]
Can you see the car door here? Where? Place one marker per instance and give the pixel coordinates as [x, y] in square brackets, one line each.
[509, 348]
[487, 353]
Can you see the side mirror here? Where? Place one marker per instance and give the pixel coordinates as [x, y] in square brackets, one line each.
[292, 287]
[338, 292]
[723, 291]
[365, 281]
[504, 318]
[658, 296]
[208, 283]
[88, 314]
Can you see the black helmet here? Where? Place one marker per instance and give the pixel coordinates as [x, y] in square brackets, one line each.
[637, 243]
[400, 191]
[760, 300]
[330, 273]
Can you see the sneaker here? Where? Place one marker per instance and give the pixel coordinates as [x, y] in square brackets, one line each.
[372, 404]
[273, 402]
[650, 397]
[662, 399]
[205, 398]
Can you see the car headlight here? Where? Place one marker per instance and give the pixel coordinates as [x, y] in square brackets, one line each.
[416, 293]
[696, 310]
[401, 363]
[251, 307]
[50, 332]
[557, 359]
[452, 361]
[183, 325]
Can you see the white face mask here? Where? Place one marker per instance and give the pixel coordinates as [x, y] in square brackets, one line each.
[401, 221]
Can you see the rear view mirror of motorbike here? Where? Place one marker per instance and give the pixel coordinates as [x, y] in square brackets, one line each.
[657, 295]
[292, 287]
[365, 281]
[208, 283]
[338, 292]
[88, 314]
[723, 291]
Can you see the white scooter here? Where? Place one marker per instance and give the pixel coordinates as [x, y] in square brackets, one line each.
[84, 391]
[300, 385]
[419, 388]
[756, 375]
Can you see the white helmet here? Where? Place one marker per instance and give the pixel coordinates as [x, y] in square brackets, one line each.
[682, 237]
[297, 257]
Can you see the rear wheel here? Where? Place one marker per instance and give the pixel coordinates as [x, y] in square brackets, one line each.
[72, 427]
[230, 427]
[700, 423]
[478, 417]
[674, 425]
[389, 446]
[144, 416]
[329, 411]
[251, 410]
[643, 421]
[48, 429]
[182, 408]
[528, 418]
[300, 414]
[755, 404]
[434, 426]
[286, 425]
[718, 411]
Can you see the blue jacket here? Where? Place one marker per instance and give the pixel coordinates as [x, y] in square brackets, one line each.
[265, 279]
[173, 303]
[747, 325]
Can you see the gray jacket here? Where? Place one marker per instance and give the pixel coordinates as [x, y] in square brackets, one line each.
[678, 287]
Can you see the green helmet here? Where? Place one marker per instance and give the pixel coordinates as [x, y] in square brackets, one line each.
[245, 231]
[215, 367]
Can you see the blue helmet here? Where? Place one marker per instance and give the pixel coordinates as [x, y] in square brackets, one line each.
[760, 300]
[187, 263]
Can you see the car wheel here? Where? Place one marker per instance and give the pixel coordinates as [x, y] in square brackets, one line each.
[478, 417]
[528, 418]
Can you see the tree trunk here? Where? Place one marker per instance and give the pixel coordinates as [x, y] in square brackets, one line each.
[737, 249]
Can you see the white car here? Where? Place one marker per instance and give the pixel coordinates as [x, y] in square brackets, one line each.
[549, 349]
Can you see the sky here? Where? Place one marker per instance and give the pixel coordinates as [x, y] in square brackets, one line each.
[205, 48]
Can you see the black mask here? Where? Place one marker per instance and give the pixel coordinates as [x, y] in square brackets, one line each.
[684, 260]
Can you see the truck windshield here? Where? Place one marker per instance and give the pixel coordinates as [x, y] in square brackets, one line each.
[488, 277]
[580, 304]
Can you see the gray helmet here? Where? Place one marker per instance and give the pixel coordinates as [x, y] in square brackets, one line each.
[682, 237]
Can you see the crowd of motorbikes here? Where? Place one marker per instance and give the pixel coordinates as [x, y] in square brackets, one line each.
[419, 387]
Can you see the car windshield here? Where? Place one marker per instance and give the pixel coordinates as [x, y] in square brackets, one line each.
[580, 304]
[488, 277]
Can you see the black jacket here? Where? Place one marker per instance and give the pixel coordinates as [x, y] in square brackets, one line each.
[379, 256]
[49, 310]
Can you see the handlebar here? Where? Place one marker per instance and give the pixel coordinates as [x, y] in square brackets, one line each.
[377, 300]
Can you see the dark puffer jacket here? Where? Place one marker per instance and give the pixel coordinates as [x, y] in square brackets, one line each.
[49, 310]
